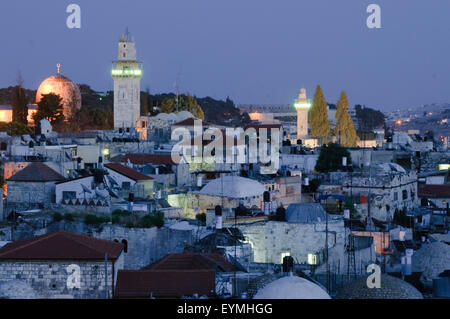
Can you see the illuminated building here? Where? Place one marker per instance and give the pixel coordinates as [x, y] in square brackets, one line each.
[302, 106]
[126, 73]
[6, 113]
[65, 88]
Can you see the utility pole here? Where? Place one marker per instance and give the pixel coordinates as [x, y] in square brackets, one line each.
[106, 276]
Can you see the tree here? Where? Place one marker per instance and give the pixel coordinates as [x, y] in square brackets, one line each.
[50, 107]
[188, 103]
[145, 102]
[19, 103]
[318, 117]
[345, 130]
[330, 158]
[15, 128]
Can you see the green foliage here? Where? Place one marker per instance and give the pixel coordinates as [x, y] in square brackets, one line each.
[15, 128]
[50, 107]
[94, 220]
[68, 217]
[318, 117]
[330, 158]
[201, 217]
[19, 104]
[185, 103]
[152, 220]
[368, 119]
[57, 217]
[345, 130]
[314, 184]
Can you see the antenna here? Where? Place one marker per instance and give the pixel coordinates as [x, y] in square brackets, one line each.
[176, 86]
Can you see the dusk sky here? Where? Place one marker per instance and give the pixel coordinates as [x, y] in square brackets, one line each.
[255, 51]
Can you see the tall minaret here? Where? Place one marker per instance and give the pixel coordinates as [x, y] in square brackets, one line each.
[302, 106]
[126, 73]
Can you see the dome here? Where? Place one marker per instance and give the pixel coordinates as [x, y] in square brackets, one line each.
[292, 287]
[233, 187]
[16, 289]
[391, 288]
[432, 259]
[63, 87]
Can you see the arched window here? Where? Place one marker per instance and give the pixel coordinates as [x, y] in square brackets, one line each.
[125, 245]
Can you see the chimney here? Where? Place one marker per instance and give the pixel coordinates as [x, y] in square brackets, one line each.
[218, 210]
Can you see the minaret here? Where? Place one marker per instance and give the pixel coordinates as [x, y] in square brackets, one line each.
[126, 73]
[302, 106]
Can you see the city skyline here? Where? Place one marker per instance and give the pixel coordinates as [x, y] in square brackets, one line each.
[253, 54]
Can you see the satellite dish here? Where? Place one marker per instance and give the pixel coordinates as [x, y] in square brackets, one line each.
[85, 189]
[100, 194]
[112, 181]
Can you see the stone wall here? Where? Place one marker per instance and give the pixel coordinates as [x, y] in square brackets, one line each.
[49, 279]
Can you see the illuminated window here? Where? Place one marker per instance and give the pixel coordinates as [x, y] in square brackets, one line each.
[312, 259]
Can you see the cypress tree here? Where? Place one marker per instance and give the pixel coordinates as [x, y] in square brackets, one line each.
[318, 117]
[345, 130]
[19, 105]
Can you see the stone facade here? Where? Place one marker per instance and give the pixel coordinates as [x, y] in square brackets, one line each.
[49, 278]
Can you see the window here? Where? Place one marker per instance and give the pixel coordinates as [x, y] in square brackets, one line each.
[125, 245]
[124, 54]
[69, 195]
[126, 185]
[404, 194]
[312, 259]
[395, 196]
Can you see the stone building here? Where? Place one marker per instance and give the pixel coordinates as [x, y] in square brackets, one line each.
[51, 263]
[33, 186]
[129, 180]
[379, 190]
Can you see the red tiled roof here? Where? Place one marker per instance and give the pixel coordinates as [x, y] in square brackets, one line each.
[36, 172]
[192, 261]
[158, 159]
[61, 245]
[435, 191]
[128, 172]
[164, 283]
[189, 122]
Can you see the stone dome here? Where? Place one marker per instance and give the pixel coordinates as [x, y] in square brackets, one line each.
[16, 289]
[432, 259]
[65, 88]
[292, 287]
[391, 288]
[233, 187]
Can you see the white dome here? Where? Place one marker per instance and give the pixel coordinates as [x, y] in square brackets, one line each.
[16, 289]
[291, 287]
[175, 117]
[233, 187]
